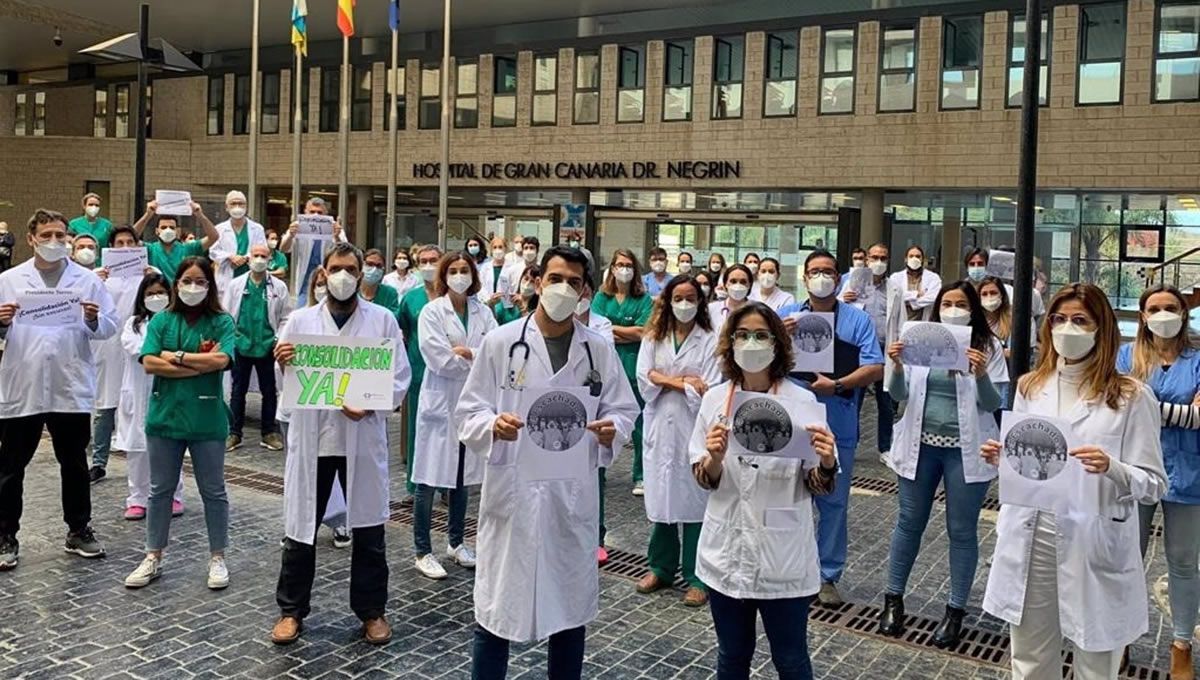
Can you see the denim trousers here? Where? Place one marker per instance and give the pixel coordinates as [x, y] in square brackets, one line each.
[423, 512]
[785, 621]
[1181, 541]
[103, 423]
[166, 465]
[489, 656]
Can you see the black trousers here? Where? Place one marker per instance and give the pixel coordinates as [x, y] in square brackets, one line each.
[368, 559]
[19, 437]
[265, 367]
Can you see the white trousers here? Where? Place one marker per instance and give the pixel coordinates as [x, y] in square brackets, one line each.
[137, 472]
[1037, 643]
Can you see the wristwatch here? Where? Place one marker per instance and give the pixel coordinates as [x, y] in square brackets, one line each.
[179, 358]
[838, 388]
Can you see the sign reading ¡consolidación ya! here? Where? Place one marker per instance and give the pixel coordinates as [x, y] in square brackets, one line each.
[568, 171]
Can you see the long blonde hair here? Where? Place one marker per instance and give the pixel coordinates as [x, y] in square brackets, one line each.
[1003, 314]
[1100, 377]
[1145, 354]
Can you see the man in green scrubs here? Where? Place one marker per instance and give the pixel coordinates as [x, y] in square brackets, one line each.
[253, 299]
[373, 289]
[167, 252]
[91, 223]
[410, 312]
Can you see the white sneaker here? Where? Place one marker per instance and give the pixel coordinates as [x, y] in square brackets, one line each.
[429, 566]
[149, 570]
[218, 573]
[639, 489]
[462, 555]
[885, 457]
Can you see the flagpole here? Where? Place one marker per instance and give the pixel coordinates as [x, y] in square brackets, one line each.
[252, 190]
[393, 142]
[344, 134]
[297, 125]
[444, 174]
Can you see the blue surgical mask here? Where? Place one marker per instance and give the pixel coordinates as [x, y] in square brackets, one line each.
[372, 275]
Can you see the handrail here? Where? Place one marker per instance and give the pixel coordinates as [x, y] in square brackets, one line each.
[1152, 272]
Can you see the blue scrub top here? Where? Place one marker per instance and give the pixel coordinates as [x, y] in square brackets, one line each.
[653, 287]
[1181, 447]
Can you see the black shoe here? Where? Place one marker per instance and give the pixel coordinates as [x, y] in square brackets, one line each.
[8, 552]
[84, 543]
[96, 474]
[891, 619]
[949, 631]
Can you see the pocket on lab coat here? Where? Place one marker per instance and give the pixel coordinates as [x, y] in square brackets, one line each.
[783, 534]
[1115, 544]
[499, 493]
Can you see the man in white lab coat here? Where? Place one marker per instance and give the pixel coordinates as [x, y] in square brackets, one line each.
[351, 444]
[48, 382]
[308, 253]
[536, 576]
[231, 253]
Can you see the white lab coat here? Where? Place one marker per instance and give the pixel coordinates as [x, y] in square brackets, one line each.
[440, 330]
[52, 370]
[488, 287]
[1101, 583]
[931, 285]
[672, 494]
[226, 247]
[602, 326]
[975, 425]
[135, 390]
[402, 284]
[757, 541]
[777, 300]
[366, 443]
[110, 358]
[279, 305]
[536, 573]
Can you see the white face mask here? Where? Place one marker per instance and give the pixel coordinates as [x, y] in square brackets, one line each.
[258, 265]
[914, 263]
[878, 267]
[722, 294]
[530, 256]
[497, 254]
[92, 211]
[428, 272]
[685, 267]
[858, 264]
[86, 256]
[738, 291]
[584, 307]
[684, 311]
[623, 274]
[753, 267]
[237, 213]
[767, 281]
[192, 294]
[272, 244]
[527, 290]
[658, 266]
[459, 283]
[320, 292]
[1072, 342]
[715, 267]
[976, 273]
[166, 235]
[401, 264]
[52, 251]
[991, 303]
[753, 356]
[955, 316]
[559, 300]
[156, 303]
[1164, 324]
[820, 286]
[342, 285]
[705, 290]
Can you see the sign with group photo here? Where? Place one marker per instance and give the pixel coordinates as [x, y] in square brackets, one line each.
[330, 372]
[555, 442]
[812, 342]
[125, 263]
[48, 307]
[768, 425]
[1036, 469]
[936, 345]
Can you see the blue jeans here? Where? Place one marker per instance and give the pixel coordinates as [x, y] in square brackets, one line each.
[166, 464]
[423, 511]
[831, 520]
[1181, 541]
[785, 622]
[102, 430]
[489, 656]
[963, 503]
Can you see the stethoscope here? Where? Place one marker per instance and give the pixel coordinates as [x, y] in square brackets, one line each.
[516, 378]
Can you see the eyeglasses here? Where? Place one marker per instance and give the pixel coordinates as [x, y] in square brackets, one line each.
[1057, 320]
[194, 282]
[822, 272]
[758, 336]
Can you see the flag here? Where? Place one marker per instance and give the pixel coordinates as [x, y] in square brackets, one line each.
[394, 14]
[300, 25]
[345, 17]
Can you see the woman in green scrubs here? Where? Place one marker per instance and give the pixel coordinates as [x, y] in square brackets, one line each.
[623, 301]
[373, 289]
[526, 298]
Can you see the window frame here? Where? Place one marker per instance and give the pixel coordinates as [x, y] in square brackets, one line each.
[357, 100]
[100, 117]
[401, 98]
[264, 107]
[460, 95]
[324, 106]
[1047, 43]
[915, 27]
[118, 114]
[423, 98]
[943, 70]
[1081, 49]
[533, 121]
[241, 104]
[741, 81]
[822, 75]
[1169, 56]
[767, 79]
[641, 51]
[497, 95]
[576, 90]
[21, 114]
[39, 113]
[218, 108]
[688, 79]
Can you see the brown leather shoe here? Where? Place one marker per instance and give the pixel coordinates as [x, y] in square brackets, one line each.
[650, 583]
[695, 597]
[1181, 663]
[286, 630]
[377, 631]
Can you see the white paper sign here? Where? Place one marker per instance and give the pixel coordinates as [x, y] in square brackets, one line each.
[173, 202]
[812, 342]
[936, 345]
[49, 307]
[1036, 470]
[125, 263]
[314, 227]
[504, 288]
[858, 279]
[1001, 264]
[769, 425]
[331, 371]
[555, 443]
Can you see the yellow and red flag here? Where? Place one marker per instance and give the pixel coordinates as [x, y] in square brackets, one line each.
[345, 17]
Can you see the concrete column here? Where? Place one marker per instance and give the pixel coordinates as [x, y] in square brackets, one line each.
[362, 208]
[871, 228]
[949, 265]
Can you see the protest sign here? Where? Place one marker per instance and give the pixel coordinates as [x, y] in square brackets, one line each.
[177, 203]
[329, 372]
[125, 263]
[936, 345]
[1001, 264]
[555, 442]
[768, 425]
[48, 307]
[1036, 470]
[812, 342]
[313, 227]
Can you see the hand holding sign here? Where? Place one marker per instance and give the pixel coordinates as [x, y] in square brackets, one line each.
[49, 307]
[7, 312]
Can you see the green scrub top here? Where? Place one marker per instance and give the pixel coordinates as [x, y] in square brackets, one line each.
[255, 337]
[410, 311]
[506, 315]
[278, 261]
[634, 311]
[386, 297]
[98, 230]
[243, 248]
[191, 409]
[168, 262]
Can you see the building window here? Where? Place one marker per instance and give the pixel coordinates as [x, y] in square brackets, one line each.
[269, 114]
[781, 70]
[898, 69]
[677, 85]
[99, 113]
[1101, 53]
[545, 91]
[360, 100]
[837, 71]
[729, 67]
[962, 57]
[466, 99]
[631, 84]
[39, 114]
[401, 109]
[241, 104]
[1177, 52]
[430, 113]
[122, 111]
[1016, 61]
[216, 105]
[22, 113]
[331, 86]
[305, 87]
[504, 100]
[587, 88]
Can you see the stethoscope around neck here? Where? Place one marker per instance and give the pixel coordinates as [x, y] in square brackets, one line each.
[516, 377]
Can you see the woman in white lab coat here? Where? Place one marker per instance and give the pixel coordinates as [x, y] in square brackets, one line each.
[919, 285]
[736, 283]
[758, 550]
[768, 291]
[452, 328]
[948, 415]
[537, 576]
[676, 365]
[1078, 574]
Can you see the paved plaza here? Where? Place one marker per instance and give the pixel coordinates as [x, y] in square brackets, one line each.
[64, 617]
